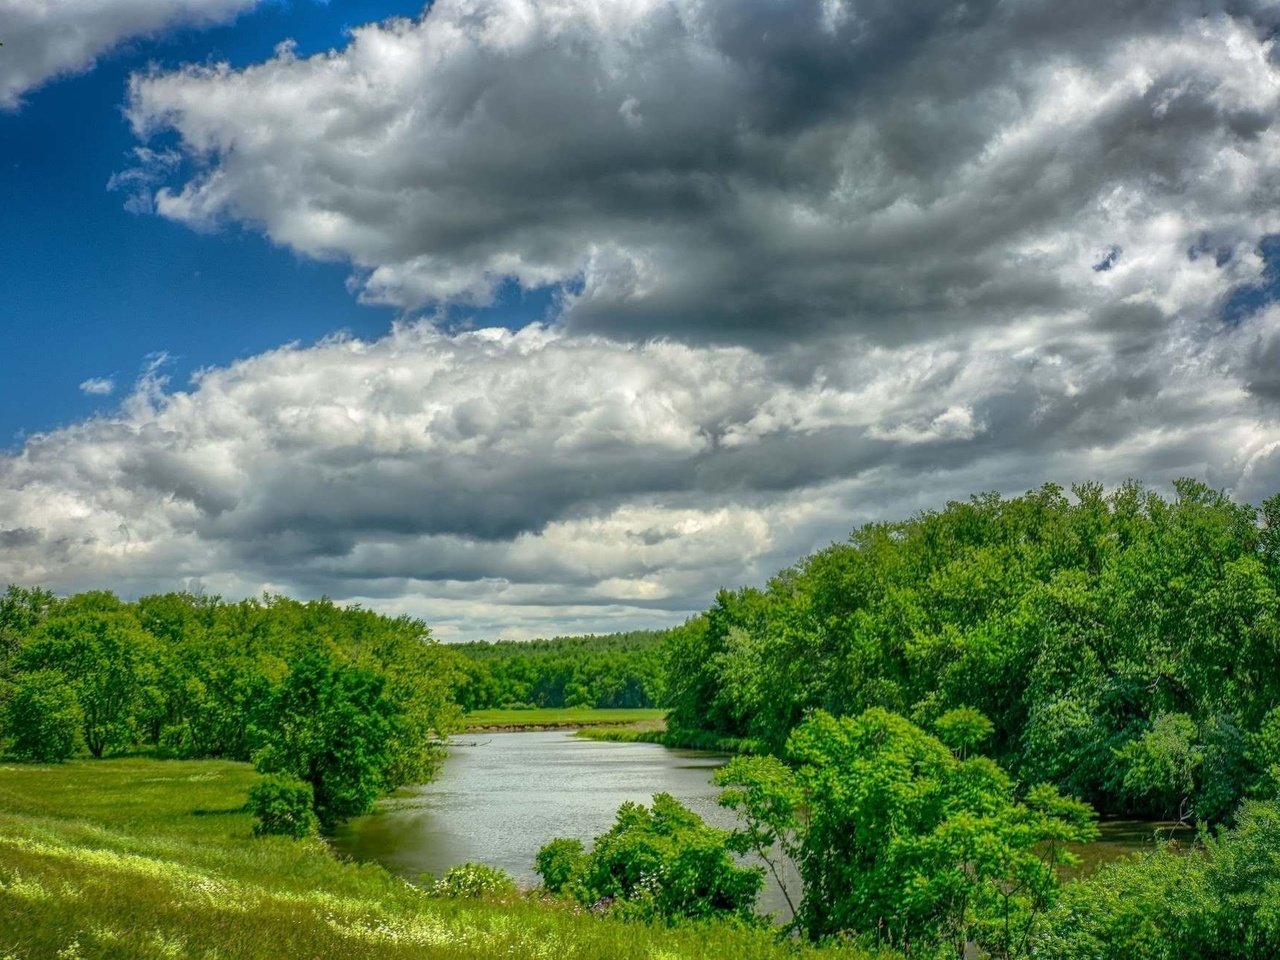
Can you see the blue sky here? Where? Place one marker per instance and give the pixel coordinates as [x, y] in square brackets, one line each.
[94, 291]
[796, 266]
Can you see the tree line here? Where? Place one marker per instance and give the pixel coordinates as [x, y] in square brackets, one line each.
[1123, 645]
[339, 705]
[617, 670]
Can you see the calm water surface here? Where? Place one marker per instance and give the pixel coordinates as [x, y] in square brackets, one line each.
[501, 796]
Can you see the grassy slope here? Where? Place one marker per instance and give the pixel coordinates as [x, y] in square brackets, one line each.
[562, 717]
[141, 858]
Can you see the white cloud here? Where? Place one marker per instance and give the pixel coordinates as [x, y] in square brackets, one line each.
[757, 171]
[540, 481]
[98, 386]
[816, 262]
[50, 38]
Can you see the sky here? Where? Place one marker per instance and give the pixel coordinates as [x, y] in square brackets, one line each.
[550, 317]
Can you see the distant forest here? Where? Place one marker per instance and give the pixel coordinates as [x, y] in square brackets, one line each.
[617, 670]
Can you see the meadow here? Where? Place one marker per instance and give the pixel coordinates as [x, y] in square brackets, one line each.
[142, 858]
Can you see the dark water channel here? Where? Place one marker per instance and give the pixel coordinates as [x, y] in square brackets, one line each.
[501, 796]
[499, 800]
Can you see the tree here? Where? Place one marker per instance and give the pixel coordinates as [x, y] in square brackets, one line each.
[97, 644]
[43, 720]
[330, 725]
[903, 843]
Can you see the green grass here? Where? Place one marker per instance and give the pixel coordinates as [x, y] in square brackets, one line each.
[564, 717]
[695, 740]
[141, 858]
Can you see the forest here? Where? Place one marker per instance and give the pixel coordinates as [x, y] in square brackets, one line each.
[1124, 647]
[350, 703]
[612, 671]
[928, 722]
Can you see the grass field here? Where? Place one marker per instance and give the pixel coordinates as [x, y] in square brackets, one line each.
[142, 859]
[554, 717]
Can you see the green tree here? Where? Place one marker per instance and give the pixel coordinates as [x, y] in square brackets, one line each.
[42, 718]
[901, 842]
[330, 726]
[95, 641]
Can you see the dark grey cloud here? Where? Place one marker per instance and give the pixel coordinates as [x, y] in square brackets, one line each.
[816, 263]
[746, 172]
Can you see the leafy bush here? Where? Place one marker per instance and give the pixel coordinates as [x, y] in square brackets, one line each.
[1220, 901]
[963, 729]
[43, 718]
[471, 880]
[659, 863]
[901, 842]
[283, 806]
[561, 863]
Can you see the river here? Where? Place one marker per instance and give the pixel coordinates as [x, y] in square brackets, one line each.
[501, 796]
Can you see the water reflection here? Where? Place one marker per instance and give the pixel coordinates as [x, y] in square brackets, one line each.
[502, 796]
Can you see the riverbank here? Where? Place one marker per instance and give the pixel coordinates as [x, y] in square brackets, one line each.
[673, 739]
[147, 859]
[564, 718]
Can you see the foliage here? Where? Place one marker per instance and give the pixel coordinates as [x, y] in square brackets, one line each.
[1221, 900]
[474, 880]
[98, 645]
[561, 863]
[1121, 644]
[963, 729]
[900, 841]
[282, 806]
[351, 702]
[622, 670]
[656, 863]
[562, 717]
[330, 726]
[42, 718]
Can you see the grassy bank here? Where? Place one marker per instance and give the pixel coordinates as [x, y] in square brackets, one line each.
[144, 859]
[688, 740]
[555, 718]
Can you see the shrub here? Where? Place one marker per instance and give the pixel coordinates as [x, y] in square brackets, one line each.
[283, 807]
[470, 880]
[1221, 900]
[660, 863]
[43, 718]
[561, 863]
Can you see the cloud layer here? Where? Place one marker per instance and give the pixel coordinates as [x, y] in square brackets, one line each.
[757, 169]
[540, 481]
[49, 38]
[815, 263]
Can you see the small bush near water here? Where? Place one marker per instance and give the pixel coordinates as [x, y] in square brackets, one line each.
[282, 806]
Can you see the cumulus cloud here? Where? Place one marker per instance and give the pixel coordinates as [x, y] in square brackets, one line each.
[815, 263]
[540, 481]
[98, 387]
[50, 38]
[757, 170]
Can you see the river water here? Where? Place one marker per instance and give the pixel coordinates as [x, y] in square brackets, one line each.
[501, 796]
